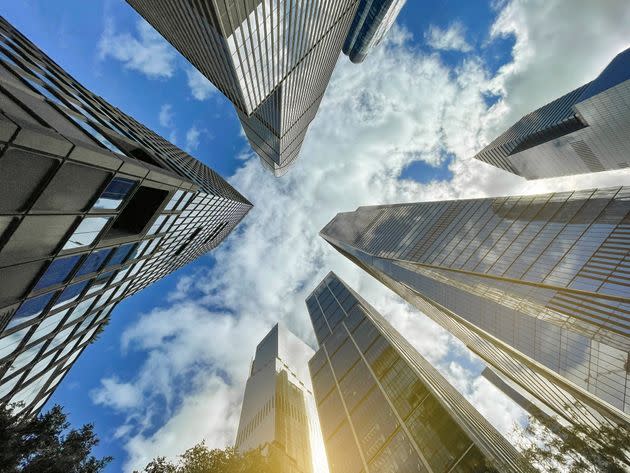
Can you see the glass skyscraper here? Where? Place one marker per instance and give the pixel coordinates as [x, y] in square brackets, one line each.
[583, 131]
[371, 23]
[272, 58]
[537, 286]
[278, 413]
[93, 208]
[382, 406]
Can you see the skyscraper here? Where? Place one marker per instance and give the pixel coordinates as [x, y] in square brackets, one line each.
[278, 413]
[371, 23]
[536, 285]
[272, 58]
[583, 131]
[93, 208]
[382, 406]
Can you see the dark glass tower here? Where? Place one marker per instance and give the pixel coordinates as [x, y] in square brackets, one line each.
[278, 413]
[371, 23]
[382, 406]
[272, 58]
[583, 131]
[93, 208]
[537, 286]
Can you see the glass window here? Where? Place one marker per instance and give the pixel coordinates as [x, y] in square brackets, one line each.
[39, 366]
[115, 193]
[121, 275]
[9, 343]
[57, 272]
[25, 358]
[70, 293]
[156, 225]
[80, 309]
[184, 201]
[138, 250]
[120, 255]
[60, 338]
[8, 386]
[174, 200]
[100, 282]
[87, 232]
[30, 309]
[93, 262]
[48, 325]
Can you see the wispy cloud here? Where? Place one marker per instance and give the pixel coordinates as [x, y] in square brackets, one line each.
[374, 120]
[146, 51]
[166, 116]
[452, 38]
[192, 139]
[200, 87]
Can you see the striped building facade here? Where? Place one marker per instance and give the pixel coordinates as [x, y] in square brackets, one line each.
[272, 58]
[382, 406]
[537, 286]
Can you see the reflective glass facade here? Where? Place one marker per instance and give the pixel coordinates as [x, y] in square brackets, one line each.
[272, 58]
[583, 131]
[278, 413]
[93, 208]
[371, 23]
[382, 406]
[535, 285]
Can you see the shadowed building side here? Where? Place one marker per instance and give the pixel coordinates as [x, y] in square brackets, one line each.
[382, 406]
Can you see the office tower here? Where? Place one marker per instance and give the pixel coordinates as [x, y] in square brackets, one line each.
[93, 208]
[382, 406]
[272, 58]
[371, 23]
[536, 286]
[278, 413]
[583, 131]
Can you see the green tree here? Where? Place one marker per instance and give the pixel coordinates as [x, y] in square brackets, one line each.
[201, 459]
[44, 443]
[576, 448]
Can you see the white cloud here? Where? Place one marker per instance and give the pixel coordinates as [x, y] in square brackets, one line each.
[192, 139]
[452, 38]
[374, 120]
[166, 116]
[147, 52]
[200, 87]
[117, 395]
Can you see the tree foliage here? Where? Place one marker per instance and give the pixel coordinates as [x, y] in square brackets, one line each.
[44, 443]
[576, 448]
[201, 459]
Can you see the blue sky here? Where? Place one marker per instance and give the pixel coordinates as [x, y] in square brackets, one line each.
[452, 74]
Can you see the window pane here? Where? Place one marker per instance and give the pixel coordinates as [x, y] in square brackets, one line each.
[87, 231]
[156, 225]
[9, 343]
[70, 293]
[48, 325]
[115, 193]
[93, 262]
[174, 200]
[30, 308]
[120, 255]
[57, 272]
[100, 282]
